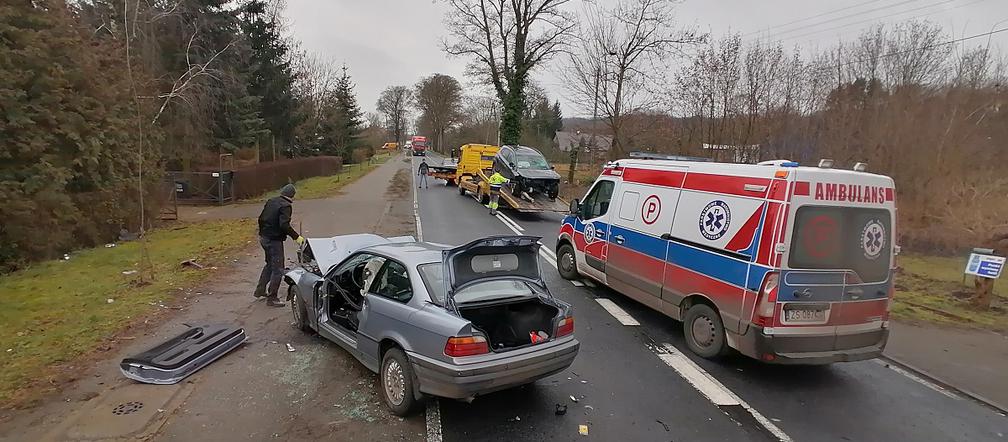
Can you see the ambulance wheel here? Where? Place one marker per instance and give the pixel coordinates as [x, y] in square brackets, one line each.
[704, 331]
[566, 263]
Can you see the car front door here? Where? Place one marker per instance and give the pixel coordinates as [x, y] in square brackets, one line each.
[593, 226]
[332, 309]
[386, 311]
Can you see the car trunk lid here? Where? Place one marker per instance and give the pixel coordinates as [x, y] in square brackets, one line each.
[492, 258]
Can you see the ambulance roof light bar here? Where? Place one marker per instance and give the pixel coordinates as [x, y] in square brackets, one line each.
[825, 163]
[779, 163]
[860, 167]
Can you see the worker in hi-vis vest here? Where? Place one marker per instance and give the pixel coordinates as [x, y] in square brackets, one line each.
[496, 182]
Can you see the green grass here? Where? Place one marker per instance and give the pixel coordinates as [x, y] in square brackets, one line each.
[937, 282]
[332, 185]
[57, 311]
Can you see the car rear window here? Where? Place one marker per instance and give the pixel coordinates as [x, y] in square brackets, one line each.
[843, 238]
[433, 278]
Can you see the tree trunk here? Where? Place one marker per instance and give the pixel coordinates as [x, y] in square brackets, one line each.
[514, 106]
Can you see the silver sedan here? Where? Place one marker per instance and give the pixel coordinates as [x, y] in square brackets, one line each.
[432, 319]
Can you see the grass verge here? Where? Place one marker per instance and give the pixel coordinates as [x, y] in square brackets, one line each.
[931, 289]
[57, 311]
[332, 185]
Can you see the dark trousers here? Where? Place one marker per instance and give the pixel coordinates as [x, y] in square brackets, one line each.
[421, 180]
[272, 272]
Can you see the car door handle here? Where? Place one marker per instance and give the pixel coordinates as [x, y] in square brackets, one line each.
[619, 239]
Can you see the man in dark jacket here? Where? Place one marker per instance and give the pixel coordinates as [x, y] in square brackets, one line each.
[274, 227]
[422, 173]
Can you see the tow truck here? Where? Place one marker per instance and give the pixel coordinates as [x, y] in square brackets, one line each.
[472, 175]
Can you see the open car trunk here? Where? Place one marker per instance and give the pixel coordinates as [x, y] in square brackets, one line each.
[511, 324]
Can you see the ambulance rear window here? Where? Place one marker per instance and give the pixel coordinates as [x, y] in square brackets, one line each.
[843, 238]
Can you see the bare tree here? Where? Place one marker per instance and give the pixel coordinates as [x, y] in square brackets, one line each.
[394, 103]
[505, 40]
[439, 99]
[621, 52]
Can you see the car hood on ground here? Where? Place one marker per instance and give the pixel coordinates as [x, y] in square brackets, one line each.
[537, 174]
[330, 251]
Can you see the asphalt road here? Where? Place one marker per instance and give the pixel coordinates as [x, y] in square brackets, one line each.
[626, 391]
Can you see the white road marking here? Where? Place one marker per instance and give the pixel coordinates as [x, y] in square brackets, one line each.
[710, 387]
[433, 421]
[621, 315]
[506, 218]
[917, 379]
[577, 283]
[416, 204]
[514, 228]
[548, 259]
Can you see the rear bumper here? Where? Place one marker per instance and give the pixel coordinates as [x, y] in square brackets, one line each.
[455, 381]
[811, 349]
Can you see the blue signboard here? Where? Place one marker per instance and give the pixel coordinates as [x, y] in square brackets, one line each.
[985, 266]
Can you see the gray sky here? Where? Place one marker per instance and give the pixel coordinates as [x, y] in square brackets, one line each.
[387, 42]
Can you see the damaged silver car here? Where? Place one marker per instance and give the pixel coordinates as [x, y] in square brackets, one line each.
[434, 320]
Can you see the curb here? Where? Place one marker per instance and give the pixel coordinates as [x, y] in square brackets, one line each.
[979, 399]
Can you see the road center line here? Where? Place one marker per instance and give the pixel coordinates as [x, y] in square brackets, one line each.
[433, 421]
[514, 228]
[548, 258]
[712, 388]
[621, 315]
[513, 223]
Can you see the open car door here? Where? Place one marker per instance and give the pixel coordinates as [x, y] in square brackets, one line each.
[183, 355]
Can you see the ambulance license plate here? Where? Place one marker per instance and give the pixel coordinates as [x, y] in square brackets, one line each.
[805, 315]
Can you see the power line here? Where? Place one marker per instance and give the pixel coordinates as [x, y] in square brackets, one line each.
[886, 16]
[824, 22]
[808, 18]
[893, 54]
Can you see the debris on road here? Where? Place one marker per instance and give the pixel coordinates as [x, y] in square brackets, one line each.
[584, 381]
[192, 263]
[589, 408]
[663, 424]
[583, 430]
[110, 245]
[561, 409]
[290, 348]
[110, 300]
[128, 272]
[573, 399]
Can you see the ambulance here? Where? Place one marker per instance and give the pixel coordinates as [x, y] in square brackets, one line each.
[783, 263]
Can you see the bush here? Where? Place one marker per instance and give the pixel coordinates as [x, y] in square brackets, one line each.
[255, 180]
[361, 154]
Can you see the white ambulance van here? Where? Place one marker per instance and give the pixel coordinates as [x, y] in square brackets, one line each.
[783, 263]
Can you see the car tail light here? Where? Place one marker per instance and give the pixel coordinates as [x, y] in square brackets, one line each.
[767, 300]
[458, 346]
[565, 327]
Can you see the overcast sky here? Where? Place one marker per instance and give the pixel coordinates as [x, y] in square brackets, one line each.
[396, 42]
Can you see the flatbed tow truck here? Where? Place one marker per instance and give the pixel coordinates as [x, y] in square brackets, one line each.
[471, 173]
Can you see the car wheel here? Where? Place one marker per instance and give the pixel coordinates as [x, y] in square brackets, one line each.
[396, 379]
[566, 262]
[298, 309]
[704, 331]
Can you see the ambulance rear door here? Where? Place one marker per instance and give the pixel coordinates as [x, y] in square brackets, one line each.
[836, 275]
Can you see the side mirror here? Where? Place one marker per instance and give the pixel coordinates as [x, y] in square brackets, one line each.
[575, 207]
[552, 167]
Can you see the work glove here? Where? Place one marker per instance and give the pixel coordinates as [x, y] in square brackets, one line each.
[300, 240]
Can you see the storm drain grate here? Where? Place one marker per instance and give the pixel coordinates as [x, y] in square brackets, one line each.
[127, 408]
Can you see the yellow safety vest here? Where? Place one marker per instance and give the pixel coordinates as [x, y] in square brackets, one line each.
[497, 179]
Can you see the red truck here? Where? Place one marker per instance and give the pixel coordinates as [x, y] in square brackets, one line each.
[419, 146]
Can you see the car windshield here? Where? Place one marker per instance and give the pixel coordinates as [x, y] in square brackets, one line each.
[531, 161]
[433, 278]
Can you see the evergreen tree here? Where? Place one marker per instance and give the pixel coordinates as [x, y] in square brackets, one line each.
[346, 119]
[270, 76]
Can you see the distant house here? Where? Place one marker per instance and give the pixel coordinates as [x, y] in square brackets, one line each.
[565, 141]
[727, 153]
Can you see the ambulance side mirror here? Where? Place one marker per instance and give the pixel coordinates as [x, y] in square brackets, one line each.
[575, 207]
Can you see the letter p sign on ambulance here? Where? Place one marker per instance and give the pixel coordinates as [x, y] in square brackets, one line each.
[651, 209]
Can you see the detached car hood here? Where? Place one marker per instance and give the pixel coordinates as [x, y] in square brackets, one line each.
[495, 257]
[536, 174]
[328, 252]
